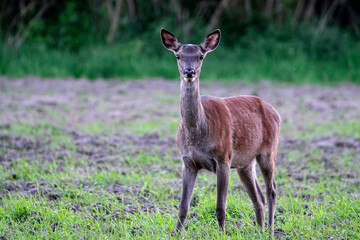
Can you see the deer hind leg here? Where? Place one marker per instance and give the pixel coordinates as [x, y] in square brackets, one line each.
[248, 178]
[188, 179]
[267, 164]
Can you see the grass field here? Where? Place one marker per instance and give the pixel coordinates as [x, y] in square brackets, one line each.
[98, 160]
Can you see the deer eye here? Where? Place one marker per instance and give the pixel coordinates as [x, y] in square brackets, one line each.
[177, 56]
[201, 57]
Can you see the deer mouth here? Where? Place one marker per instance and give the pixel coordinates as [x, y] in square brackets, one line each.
[189, 79]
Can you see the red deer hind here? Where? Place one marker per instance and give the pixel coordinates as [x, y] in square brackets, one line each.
[217, 134]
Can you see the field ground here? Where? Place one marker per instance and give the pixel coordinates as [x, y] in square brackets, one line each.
[81, 159]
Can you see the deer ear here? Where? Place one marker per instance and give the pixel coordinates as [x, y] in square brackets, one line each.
[169, 40]
[211, 41]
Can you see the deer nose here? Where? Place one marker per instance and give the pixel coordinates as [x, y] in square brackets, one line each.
[189, 73]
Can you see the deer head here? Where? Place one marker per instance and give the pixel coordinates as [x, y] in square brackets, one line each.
[189, 57]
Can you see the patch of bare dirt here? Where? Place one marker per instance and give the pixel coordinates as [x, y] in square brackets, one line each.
[316, 159]
[90, 146]
[81, 101]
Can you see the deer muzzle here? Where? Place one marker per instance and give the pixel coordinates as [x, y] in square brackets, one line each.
[189, 75]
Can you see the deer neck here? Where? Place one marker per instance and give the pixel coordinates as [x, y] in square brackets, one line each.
[191, 109]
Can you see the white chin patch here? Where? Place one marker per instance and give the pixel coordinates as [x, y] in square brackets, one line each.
[189, 79]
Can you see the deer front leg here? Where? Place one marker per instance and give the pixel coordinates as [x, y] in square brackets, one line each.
[222, 182]
[188, 181]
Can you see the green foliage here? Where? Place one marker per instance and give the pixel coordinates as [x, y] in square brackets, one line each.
[276, 54]
[70, 26]
[70, 40]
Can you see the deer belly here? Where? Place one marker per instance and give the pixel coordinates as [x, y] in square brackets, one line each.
[240, 160]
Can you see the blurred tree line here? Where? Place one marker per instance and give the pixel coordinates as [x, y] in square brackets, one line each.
[75, 24]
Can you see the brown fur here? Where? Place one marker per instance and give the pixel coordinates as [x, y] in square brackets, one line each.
[245, 124]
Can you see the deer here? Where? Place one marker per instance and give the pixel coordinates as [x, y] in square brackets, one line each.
[217, 134]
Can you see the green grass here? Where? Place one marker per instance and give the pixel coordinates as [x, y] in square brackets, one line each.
[312, 129]
[336, 216]
[85, 209]
[276, 54]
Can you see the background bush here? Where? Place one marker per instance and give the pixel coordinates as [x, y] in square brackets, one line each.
[311, 41]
